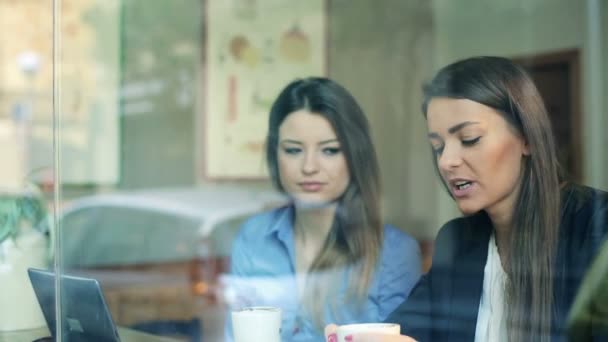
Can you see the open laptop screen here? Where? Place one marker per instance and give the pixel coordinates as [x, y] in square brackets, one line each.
[86, 315]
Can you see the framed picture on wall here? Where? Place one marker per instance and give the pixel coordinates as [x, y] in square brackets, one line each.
[253, 49]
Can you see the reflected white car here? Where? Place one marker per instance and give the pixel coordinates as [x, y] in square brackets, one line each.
[158, 253]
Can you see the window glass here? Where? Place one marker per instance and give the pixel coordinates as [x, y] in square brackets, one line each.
[133, 140]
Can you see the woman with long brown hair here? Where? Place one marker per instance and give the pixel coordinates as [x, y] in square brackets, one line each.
[326, 256]
[508, 270]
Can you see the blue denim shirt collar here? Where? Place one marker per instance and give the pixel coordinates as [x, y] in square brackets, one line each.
[282, 230]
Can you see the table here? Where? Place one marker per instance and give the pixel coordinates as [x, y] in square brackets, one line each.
[126, 335]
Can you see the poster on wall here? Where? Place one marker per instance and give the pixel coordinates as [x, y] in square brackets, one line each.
[254, 48]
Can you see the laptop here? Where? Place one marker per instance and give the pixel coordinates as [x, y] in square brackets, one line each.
[85, 314]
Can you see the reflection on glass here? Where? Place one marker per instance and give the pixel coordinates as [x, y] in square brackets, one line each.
[131, 79]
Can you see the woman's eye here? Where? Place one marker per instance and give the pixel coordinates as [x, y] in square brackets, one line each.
[470, 142]
[292, 150]
[330, 151]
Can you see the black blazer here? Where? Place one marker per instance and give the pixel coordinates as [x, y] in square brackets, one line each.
[444, 304]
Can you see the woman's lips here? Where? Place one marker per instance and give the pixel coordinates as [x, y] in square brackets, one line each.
[462, 188]
[311, 186]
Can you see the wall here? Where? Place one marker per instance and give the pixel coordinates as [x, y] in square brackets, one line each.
[381, 54]
[604, 109]
[509, 28]
[596, 99]
[161, 49]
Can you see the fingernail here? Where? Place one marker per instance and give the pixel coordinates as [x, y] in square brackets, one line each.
[348, 338]
[332, 338]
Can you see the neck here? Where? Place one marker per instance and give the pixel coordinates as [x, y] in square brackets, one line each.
[312, 225]
[502, 232]
[501, 215]
[502, 227]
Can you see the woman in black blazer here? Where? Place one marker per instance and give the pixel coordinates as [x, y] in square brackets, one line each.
[509, 269]
[444, 306]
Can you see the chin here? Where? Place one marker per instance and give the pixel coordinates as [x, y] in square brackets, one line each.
[467, 209]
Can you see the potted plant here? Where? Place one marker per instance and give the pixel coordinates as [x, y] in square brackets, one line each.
[24, 243]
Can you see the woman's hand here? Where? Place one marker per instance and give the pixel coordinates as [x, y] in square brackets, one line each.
[332, 336]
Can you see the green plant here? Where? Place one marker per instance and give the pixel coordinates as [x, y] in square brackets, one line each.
[19, 210]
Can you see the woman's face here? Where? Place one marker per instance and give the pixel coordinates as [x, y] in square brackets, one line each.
[312, 166]
[478, 153]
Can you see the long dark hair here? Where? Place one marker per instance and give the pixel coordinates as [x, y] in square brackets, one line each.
[507, 88]
[356, 234]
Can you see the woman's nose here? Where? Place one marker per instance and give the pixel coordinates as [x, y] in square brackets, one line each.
[310, 163]
[449, 159]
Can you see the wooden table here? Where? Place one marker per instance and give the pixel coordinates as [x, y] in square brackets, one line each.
[126, 335]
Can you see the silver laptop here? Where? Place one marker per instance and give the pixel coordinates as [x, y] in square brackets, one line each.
[85, 314]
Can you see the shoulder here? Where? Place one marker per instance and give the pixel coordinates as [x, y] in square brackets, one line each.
[399, 248]
[395, 237]
[584, 211]
[258, 226]
[460, 234]
[253, 241]
[400, 265]
[580, 199]
[464, 228]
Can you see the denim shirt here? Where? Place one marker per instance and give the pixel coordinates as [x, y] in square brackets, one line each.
[263, 274]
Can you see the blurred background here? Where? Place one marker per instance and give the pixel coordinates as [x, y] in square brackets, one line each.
[148, 154]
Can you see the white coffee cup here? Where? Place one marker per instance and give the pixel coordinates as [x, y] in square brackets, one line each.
[351, 329]
[257, 323]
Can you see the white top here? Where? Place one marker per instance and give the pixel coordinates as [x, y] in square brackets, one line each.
[491, 320]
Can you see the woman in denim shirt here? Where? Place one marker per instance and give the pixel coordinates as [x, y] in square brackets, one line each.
[326, 256]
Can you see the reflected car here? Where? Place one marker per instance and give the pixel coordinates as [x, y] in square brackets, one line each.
[158, 253]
